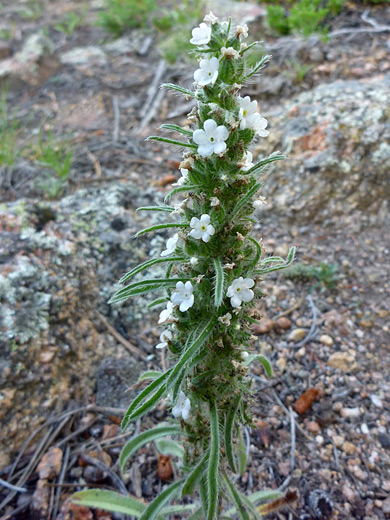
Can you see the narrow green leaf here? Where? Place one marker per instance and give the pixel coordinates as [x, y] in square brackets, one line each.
[198, 515]
[250, 46]
[196, 188]
[254, 514]
[143, 395]
[190, 352]
[168, 209]
[271, 260]
[261, 165]
[177, 88]
[148, 405]
[195, 476]
[229, 426]
[180, 509]
[170, 141]
[237, 501]
[219, 279]
[143, 438]
[241, 452]
[144, 287]
[258, 67]
[159, 502]
[149, 375]
[265, 495]
[213, 469]
[170, 447]
[289, 260]
[203, 494]
[257, 257]
[156, 227]
[177, 128]
[149, 263]
[245, 199]
[263, 360]
[158, 301]
[109, 501]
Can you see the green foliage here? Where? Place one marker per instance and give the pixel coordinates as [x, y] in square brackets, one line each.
[277, 19]
[325, 274]
[299, 71]
[69, 24]
[8, 134]
[120, 15]
[56, 158]
[303, 17]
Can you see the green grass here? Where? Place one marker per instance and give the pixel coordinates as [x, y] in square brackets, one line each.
[173, 21]
[303, 17]
[324, 275]
[69, 24]
[56, 158]
[9, 130]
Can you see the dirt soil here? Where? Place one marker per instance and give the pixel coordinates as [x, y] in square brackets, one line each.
[105, 100]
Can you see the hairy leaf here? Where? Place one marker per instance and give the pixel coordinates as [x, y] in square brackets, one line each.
[149, 263]
[170, 447]
[155, 507]
[219, 279]
[177, 88]
[109, 501]
[178, 129]
[212, 473]
[168, 209]
[245, 199]
[156, 227]
[144, 287]
[229, 427]
[143, 438]
[195, 476]
[263, 360]
[170, 141]
[142, 396]
[235, 495]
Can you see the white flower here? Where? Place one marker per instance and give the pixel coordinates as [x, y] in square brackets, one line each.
[201, 35]
[171, 245]
[208, 72]
[230, 53]
[201, 229]
[165, 336]
[259, 202]
[183, 178]
[244, 355]
[182, 406]
[246, 162]
[211, 18]
[225, 319]
[242, 29]
[211, 139]
[183, 296]
[194, 261]
[214, 202]
[240, 291]
[166, 313]
[250, 118]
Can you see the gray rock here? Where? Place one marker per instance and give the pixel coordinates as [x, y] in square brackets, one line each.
[114, 377]
[27, 65]
[84, 56]
[337, 139]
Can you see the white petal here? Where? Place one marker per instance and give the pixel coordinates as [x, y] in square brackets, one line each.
[205, 219]
[247, 295]
[205, 150]
[200, 137]
[195, 233]
[209, 126]
[235, 301]
[210, 229]
[205, 236]
[219, 148]
[222, 133]
[186, 304]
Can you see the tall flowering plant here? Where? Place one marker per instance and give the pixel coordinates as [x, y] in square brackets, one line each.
[214, 266]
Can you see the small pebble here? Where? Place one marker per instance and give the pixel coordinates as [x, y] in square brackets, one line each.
[313, 426]
[350, 413]
[348, 448]
[376, 401]
[364, 429]
[297, 335]
[338, 441]
[326, 340]
[283, 323]
[320, 440]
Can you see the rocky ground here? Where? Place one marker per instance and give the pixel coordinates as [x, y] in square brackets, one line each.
[68, 360]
